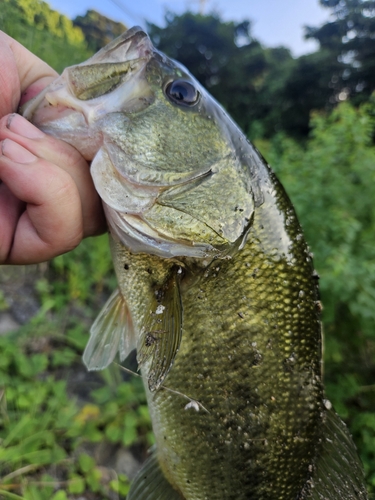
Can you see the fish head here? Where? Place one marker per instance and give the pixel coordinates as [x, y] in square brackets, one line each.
[166, 159]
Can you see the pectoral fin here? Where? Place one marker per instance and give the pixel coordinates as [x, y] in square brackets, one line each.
[112, 331]
[151, 484]
[161, 333]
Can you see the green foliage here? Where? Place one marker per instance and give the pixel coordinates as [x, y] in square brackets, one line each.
[308, 87]
[350, 40]
[331, 181]
[39, 14]
[45, 32]
[44, 430]
[82, 275]
[98, 29]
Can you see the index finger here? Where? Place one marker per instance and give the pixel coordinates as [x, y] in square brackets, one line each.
[30, 67]
[21, 70]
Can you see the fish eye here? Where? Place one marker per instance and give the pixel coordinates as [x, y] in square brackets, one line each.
[182, 92]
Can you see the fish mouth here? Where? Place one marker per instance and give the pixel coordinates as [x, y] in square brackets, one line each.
[110, 81]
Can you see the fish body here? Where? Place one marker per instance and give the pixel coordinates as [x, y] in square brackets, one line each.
[217, 289]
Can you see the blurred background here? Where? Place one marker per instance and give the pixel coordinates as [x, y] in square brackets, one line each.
[298, 77]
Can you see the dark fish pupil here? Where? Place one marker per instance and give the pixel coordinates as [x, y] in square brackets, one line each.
[182, 92]
[179, 95]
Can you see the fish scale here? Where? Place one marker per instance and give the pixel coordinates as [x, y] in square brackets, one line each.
[216, 286]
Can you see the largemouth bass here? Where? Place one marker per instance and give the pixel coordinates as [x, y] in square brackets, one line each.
[217, 289]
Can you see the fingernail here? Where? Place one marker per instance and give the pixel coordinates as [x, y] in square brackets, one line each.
[19, 125]
[16, 153]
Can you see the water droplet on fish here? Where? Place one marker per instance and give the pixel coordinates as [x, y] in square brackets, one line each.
[291, 360]
[327, 404]
[192, 404]
[160, 309]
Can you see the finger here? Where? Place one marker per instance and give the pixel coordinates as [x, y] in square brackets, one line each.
[34, 89]
[67, 158]
[29, 67]
[52, 221]
[10, 89]
[11, 209]
[22, 74]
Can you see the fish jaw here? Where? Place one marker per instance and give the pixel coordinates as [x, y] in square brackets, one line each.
[73, 107]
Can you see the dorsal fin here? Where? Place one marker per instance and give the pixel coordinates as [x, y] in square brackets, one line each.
[151, 484]
[112, 331]
[161, 333]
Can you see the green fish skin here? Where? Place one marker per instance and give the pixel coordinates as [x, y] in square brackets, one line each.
[217, 289]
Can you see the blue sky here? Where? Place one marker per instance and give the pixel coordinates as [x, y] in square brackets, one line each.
[275, 22]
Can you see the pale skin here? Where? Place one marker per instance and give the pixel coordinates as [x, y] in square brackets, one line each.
[48, 202]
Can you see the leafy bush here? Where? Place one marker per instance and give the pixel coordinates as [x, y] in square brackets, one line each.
[45, 429]
[45, 32]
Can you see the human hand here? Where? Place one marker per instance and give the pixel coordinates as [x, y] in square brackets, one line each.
[48, 202]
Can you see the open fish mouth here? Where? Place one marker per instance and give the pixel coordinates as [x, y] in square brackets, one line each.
[111, 81]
